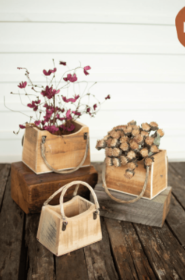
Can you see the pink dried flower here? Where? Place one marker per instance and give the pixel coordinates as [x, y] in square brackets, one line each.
[71, 127]
[85, 70]
[88, 110]
[71, 78]
[62, 63]
[68, 115]
[48, 73]
[108, 97]
[95, 106]
[49, 92]
[37, 123]
[63, 127]
[22, 85]
[76, 113]
[33, 106]
[70, 99]
[51, 128]
[22, 126]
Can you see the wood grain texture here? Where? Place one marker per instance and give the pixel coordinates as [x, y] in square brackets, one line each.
[4, 173]
[157, 180]
[165, 254]
[40, 260]
[130, 260]
[82, 229]
[71, 266]
[99, 260]
[149, 212]
[11, 221]
[179, 167]
[62, 152]
[178, 183]
[30, 191]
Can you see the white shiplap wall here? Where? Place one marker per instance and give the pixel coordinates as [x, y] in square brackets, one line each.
[131, 46]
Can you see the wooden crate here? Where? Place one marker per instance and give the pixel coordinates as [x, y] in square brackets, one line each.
[62, 152]
[30, 191]
[157, 181]
[147, 212]
[70, 225]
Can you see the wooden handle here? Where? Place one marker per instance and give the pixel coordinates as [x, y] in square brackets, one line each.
[66, 187]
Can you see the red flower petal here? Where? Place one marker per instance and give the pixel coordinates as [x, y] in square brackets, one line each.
[62, 63]
[85, 70]
[47, 73]
[108, 97]
[95, 106]
[68, 115]
[71, 127]
[76, 113]
[37, 123]
[22, 126]
[22, 85]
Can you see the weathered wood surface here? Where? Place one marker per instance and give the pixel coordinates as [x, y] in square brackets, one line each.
[30, 191]
[62, 152]
[127, 251]
[99, 260]
[11, 230]
[129, 256]
[4, 172]
[40, 260]
[144, 211]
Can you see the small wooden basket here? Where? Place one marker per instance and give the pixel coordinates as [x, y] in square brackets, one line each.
[71, 225]
[44, 152]
[157, 179]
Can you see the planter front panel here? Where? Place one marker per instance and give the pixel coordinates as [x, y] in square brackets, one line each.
[62, 152]
[157, 180]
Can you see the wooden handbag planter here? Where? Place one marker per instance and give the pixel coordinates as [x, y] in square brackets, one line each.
[70, 225]
[30, 190]
[44, 152]
[157, 179]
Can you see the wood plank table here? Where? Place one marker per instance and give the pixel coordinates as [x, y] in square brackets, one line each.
[127, 251]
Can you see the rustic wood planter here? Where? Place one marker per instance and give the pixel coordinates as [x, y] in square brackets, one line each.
[70, 225]
[62, 152]
[157, 181]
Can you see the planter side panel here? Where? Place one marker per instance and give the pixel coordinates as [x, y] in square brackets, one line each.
[29, 154]
[62, 152]
[160, 172]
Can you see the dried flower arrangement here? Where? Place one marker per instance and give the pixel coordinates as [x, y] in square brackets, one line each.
[128, 144]
[51, 108]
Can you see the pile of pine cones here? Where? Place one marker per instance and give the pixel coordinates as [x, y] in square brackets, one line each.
[128, 144]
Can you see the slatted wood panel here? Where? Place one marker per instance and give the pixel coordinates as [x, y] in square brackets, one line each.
[132, 48]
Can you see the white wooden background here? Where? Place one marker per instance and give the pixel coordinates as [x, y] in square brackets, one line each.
[131, 46]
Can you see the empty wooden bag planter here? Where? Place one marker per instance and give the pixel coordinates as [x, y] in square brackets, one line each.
[44, 152]
[70, 225]
[157, 179]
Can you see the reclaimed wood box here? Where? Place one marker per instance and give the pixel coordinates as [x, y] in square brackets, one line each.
[30, 191]
[147, 212]
[157, 181]
[70, 225]
[62, 152]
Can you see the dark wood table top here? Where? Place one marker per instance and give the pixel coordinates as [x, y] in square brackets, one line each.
[127, 251]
